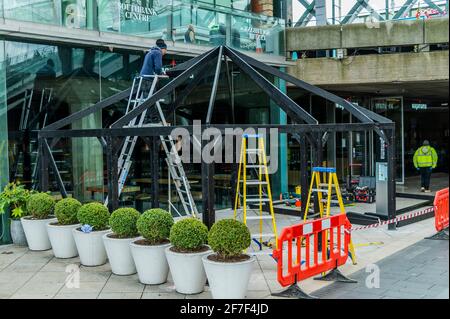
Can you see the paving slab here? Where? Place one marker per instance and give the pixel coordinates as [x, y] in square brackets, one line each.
[28, 274]
[425, 283]
[120, 295]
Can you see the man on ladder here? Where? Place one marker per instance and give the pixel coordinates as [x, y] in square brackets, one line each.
[143, 87]
[153, 59]
[153, 63]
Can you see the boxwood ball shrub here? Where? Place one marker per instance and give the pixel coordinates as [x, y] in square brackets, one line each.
[154, 225]
[66, 211]
[229, 237]
[188, 234]
[95, 215]
[123, 222]
[40, 205]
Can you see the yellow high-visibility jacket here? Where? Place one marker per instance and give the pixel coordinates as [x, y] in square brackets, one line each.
[425, 156]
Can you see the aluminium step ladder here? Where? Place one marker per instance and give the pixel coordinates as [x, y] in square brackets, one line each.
[46, 97]
[255, 159]
[319, 188]
[173, 160]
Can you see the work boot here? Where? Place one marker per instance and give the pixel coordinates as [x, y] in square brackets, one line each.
[422, 189]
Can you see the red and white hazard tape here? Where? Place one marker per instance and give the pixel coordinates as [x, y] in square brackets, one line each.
[395, 220]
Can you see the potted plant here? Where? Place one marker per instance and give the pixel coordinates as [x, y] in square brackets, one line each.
[94, 219]
[148, 252]
[188, 238]
[13, 199]
[60, 232]
[40, 207]
[117, 244]
[228, 269]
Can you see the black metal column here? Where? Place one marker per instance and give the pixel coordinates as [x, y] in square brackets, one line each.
[44, 176]
[392, 176]
[208, 198]
[304, 170]
[113, 175]
[316, 162]
[155, 171]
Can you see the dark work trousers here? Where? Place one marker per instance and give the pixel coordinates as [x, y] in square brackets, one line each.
[425, 176]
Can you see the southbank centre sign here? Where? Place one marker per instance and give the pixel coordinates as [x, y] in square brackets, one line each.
[137, 12]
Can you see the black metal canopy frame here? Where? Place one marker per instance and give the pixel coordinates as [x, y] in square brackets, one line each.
[305, 128]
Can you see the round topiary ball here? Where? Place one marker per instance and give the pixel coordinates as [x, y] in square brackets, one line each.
[95, 215]
[188, 234]
[154, 225]
[66, 211]
[40, 205]
[229, 237]
[123, 222]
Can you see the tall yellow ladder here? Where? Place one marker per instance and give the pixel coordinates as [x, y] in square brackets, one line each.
[255, 159]
[330, 183]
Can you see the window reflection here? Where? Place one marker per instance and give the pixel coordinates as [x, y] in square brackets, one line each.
[203, 22]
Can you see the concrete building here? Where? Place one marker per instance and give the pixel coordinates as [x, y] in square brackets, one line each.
[397, 68]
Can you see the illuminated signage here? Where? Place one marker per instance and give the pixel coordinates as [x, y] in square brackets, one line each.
[419, 106]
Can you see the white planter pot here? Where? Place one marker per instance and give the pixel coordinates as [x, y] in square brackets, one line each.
[17, 233]
[36, 232]
[62, 241]
[119, 255]
[90, 247]
[228, 280]
[187, 271]
[151, 263]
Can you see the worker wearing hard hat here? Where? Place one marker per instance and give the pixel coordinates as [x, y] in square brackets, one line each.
[425, 160]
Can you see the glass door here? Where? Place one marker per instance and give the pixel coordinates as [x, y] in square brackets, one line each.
[392, 108]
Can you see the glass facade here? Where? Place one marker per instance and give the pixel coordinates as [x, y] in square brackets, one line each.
[42, 83]
[3, 120]
[206, 22]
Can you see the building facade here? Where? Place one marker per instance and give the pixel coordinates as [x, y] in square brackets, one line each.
[58, 57]
[392, 60]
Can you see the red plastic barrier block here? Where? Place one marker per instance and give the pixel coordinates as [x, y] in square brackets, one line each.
[335, 234]
[441, 209]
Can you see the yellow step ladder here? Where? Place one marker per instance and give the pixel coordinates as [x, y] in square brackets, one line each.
[256, 160]
[330, 183]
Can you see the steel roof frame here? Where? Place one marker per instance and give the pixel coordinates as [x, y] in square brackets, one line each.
[110, 138]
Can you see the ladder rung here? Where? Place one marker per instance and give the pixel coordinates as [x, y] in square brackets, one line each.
[252, 195]
[258, 217]
[173, 164]
[319, 190]
[263, 235]
[257, 200]
[255, 182]
[334, 201]
[253, 150]
[255, 166]
[323, 185]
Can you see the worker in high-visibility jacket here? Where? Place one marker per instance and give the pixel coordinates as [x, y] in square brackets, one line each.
[425, 160]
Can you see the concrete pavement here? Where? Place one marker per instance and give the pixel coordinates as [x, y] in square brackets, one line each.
[27, 274]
